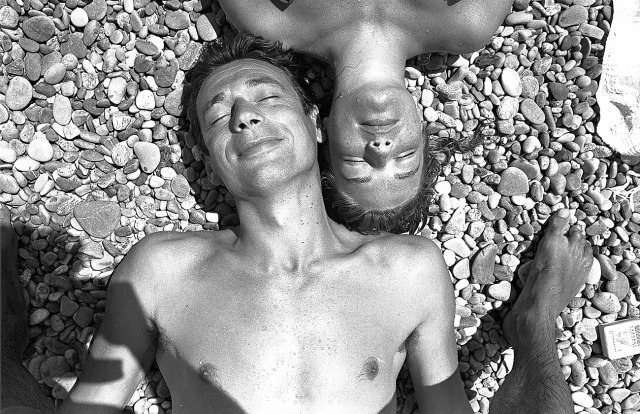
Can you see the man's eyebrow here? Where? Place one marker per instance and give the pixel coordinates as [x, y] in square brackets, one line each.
[402, 176]
[215, 100]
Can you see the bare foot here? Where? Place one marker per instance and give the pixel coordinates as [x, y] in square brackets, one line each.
[14, 309]
[560, 268]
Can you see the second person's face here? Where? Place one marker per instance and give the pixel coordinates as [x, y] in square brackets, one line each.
[375, 145]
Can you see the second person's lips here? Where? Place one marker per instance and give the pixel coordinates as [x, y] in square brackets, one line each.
[379, 126]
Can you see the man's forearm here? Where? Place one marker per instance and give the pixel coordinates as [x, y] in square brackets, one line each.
[536, 384]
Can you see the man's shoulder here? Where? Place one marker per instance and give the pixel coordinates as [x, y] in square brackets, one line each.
[167, 245]
[165, 252]
[416, 259]
[401, 247]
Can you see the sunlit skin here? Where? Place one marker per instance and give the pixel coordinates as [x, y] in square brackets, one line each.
[252, 117]
[291, 313]
[368, 43]
[380, 163]
[287, 313]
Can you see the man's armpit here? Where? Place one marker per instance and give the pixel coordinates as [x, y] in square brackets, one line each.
[160, 339]
[412, 341]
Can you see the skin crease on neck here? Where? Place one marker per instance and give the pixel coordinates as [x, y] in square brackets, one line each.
[373, 126]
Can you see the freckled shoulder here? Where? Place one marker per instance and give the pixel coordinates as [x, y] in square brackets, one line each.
[164, 253]
[419, 262]
[414, 253]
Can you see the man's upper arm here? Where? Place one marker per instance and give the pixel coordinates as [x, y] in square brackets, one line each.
[431, 351]
[124, 346]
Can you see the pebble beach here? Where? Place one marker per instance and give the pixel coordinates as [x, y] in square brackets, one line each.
[96, 153]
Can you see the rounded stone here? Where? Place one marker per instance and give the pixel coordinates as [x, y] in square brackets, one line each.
[619, 394]
[8, 17]
[38, 316]
[530, 87]
[63, 385]
[4, 114]
[608, 374]
[26, 164]
[513, 181]
[39, 28]
[148, 154]
[508, 107]
[116, 90]
[145, 100]
[97, 218]
[79, 17]
[19, 93]
[121, 154]
[608, 268]
[55, 73]
[483, 265]
[206, 27]
[96, 10]
[572, 16]
[8, 155]
[582, 399]
[62, 110]
[531, 111]
[606, 302]
[594, 274]
[53, 368]
[500, 291]
[177, 20]
[40, 149]
[558, 90]
[519, 17]
[8, 184]
[619, 286]
[173, 102]
[180, 186]
[511, 82]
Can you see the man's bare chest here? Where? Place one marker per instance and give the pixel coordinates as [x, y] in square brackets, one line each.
[299, 348]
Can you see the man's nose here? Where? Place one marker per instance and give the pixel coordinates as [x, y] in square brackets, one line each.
[377, 151]
[244, 116]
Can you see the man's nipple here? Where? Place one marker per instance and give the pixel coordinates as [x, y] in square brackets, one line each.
[369, 370]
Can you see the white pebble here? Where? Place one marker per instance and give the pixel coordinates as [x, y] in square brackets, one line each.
[79, 17]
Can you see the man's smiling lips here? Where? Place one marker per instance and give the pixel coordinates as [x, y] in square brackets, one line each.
[379, 126]
[258, 146]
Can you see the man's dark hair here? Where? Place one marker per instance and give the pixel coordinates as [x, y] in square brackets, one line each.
[409, 217]
[243, 46]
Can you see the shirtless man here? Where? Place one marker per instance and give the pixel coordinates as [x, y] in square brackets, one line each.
[375, 173]
[290, 312]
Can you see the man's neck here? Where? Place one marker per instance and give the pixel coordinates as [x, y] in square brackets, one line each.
[368, 54]
[288, 229]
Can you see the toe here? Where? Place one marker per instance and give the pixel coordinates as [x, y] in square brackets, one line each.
[559, 221]
[576, 235]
